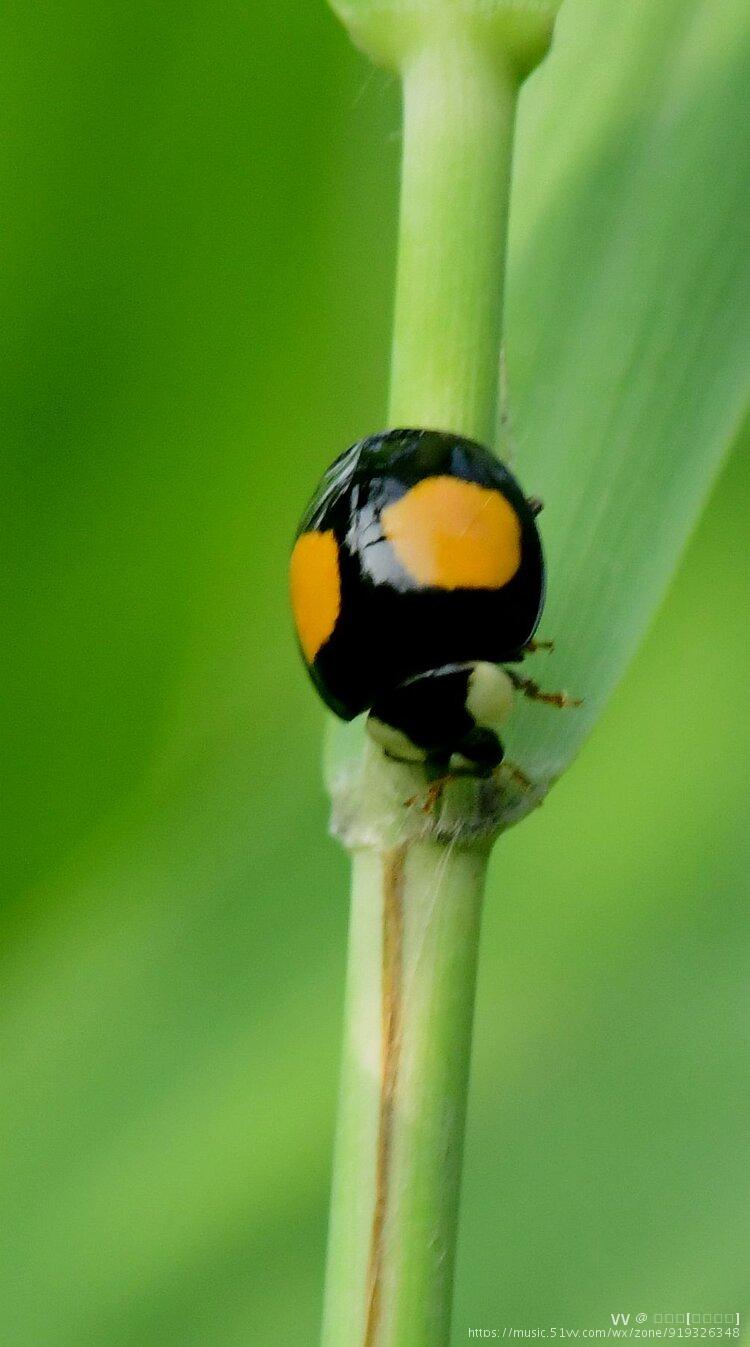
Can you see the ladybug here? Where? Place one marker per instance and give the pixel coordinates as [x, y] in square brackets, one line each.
[417, 573]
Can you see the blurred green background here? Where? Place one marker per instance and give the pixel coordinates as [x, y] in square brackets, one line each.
[198, 241]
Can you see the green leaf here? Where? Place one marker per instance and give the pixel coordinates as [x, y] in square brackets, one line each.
[628, 326]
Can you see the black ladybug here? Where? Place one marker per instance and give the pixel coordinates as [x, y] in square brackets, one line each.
[417, 572]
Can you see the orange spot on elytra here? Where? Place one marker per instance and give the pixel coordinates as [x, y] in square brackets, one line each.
[453, 534]
[315, 585]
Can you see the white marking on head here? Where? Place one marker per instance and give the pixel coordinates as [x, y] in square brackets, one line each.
[489, 699]
[394, 741]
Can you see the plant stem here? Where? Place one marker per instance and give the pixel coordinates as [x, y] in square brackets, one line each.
[459, 106]
[416, 903]
[412, 964]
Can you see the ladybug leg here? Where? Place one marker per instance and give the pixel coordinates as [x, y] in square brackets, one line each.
[532, 690]
[435, 792]
[449, 771]
[520, 777]
[535, 505]
[438, 786]
[478, 756]
[531, 647]
[435, 788]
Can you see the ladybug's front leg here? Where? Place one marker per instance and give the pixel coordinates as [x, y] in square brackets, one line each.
[532, 690]
[530, 647]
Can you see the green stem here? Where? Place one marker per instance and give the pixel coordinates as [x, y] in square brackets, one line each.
[416, 903]
[459, 107]
[412, 966]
